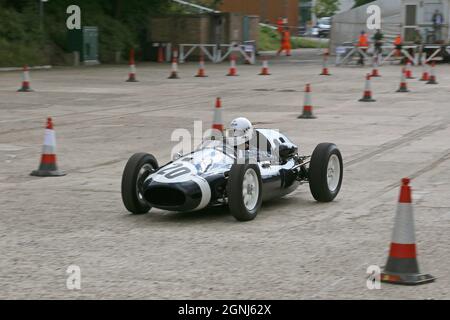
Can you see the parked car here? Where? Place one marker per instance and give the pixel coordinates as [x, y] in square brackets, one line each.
[324, 27]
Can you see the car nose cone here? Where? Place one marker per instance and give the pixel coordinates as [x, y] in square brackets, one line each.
[181, 196]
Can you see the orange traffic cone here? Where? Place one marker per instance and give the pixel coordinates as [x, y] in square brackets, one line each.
[265, 68]
[48, 167]
[432, 79]
[367, 96]
[160, 54]
[425, 74]
[403, 83]
[233, 70]
[174, 72]
[25, 81]
[201, 70]
[218, 122]
[408, 71]
[132, 74]
[402, 266]
[375, 72]
[325, 70]
[307, 107]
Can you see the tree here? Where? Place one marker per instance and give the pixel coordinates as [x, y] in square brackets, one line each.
[359, 3]
[326, 8]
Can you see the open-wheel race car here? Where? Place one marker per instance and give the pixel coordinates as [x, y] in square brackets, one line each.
[221, 173]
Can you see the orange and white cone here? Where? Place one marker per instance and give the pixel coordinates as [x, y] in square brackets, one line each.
[375, 72]
[432, 79]
[307, 107]
[233, 69]
[408, 71]
[25, 81]
[402, 267]
[174, 72]
[217, 125]
[132, 64]
[48, 167]
[265, 68]
[425, 73]
[367, 96]
[403, 82]
[201, 69]
[325, 70]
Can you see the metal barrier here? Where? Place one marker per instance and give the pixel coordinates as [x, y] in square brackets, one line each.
[348, 53]
[405, 51]
[345, 53]
[214, 52]
[209, 50]
[247, 51]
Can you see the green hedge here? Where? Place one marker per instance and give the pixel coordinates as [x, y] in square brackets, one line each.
[21, 42]
[21, 39]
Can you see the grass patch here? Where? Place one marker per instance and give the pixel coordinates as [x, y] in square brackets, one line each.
[270, 40]
[298, 42]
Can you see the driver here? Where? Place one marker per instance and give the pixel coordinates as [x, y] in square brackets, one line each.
[239, 133]
[246, 142]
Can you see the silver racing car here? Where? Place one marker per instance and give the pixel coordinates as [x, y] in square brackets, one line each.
[246, 168]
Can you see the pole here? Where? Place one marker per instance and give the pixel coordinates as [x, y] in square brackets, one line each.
[41, 15]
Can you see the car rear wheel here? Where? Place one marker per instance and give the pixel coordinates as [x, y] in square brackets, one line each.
[244, 190]
[138, 168]
[326, 172]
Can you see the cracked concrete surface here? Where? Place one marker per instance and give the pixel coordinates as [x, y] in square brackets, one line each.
[295, 249]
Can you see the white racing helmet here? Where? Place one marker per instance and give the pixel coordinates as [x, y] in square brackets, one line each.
[239, 131]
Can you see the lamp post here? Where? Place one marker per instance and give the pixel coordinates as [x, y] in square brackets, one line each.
[41, 13]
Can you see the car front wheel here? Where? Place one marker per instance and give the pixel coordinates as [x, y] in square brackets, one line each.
[244, 190]
[137, 169]
[326, 172]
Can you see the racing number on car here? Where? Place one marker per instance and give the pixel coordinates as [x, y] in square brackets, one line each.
[175, 171]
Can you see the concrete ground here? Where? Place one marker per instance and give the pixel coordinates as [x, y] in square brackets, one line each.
[295, 249]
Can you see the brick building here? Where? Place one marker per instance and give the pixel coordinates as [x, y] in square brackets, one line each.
[268, 10]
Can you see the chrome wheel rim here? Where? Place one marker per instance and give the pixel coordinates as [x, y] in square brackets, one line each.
[250, 189]
[333, 173]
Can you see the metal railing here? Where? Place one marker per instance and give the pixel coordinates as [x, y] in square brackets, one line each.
[218, 53]
[344, 54]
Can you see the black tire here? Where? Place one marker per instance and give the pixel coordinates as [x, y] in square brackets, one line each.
[318, 172]
[130, 175]
[235, 192]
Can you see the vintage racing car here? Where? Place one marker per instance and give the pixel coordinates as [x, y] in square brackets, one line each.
[213, 176]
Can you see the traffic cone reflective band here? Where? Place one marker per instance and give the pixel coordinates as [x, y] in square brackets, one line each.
[408, 72]
[201, 70]
[307, 107]
[48, 167]
[325, 71]
[174, 72]
[403, 83]
[432, 79]
[265, 68]
[425, 74]
[25, 81]
[218, 123]
[132, 74]
[375, 72]
[367, 96]
[402, 266]
[233, 69]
